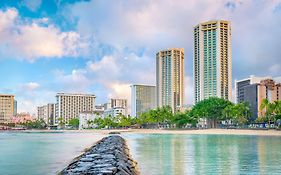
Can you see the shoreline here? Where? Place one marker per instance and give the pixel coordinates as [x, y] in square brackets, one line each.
[165, 131]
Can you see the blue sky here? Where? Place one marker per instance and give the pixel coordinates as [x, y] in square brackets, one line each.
[103, 46]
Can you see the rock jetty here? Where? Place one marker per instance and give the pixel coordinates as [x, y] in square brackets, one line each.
[109, 156]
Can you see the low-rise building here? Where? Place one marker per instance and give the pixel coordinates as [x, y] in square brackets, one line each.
[115, 107]
[21, 118]
[86, 119]
[99, 110]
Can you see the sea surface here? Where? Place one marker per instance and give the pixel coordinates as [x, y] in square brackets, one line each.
[156, 154]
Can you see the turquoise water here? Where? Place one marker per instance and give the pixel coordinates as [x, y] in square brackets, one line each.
[47, 153]
[206, 154]
[41, 153]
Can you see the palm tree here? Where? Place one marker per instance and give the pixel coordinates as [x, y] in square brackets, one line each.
[265, 105]
[272, 110]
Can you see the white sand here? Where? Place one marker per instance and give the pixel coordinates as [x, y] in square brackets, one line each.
[205, 131]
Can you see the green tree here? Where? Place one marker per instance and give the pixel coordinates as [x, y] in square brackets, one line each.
[242, 113]
[183, 118]
[211, 109]
[37, 124]
[124, 121]
[272, 110]
[74, 122]
[61, 122]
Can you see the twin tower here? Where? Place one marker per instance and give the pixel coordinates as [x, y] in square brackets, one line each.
[212, 67]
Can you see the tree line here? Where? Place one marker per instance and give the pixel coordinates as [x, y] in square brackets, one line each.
[216, 111]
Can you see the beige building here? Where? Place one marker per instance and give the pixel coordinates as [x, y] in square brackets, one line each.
[170, 78]
[143, 98]
[212, 60]
[69, 106]
[254, 89]
[47, 113]
[7, 108]
[270, 90]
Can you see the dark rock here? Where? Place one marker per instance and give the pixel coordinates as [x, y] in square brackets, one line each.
[110, 156]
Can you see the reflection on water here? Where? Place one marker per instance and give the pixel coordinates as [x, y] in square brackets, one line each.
[41, 153]
[205, 154]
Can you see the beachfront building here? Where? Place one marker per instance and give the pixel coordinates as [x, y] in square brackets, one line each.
[240, 86]
[254, 89]
[7, 107]
[22, 117]
[69, 106]
[99, 109]
[115, 107]
[170, 78]
[212, 60]
[47, 113]
[143, 98]
[86, 119]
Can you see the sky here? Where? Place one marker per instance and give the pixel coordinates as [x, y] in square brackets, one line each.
[103, 46]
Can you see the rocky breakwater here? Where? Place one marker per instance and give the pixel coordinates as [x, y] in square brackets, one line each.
[109, 156]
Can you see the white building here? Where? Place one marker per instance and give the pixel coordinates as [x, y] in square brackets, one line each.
[170, 78]
[212, 60]
[86, 120]
[115, 107]
[143, 98]
[69, 106]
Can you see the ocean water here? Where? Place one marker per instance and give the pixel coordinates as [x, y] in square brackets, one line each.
[156, 154]
[41, 153]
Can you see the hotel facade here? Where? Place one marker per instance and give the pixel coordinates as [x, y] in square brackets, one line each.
[212, 60]
[254, 89]
[69, 106]
[143, 98]
[7, 107]
[116, 107]
[47, 113]
[170, 78]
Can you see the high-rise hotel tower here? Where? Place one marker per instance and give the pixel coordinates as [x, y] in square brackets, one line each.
[212, 60]
[170, 78]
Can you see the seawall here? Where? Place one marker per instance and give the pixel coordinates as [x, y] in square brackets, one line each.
[108, 156]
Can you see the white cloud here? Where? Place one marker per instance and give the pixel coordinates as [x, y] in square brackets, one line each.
[154, 25]
[75, 82]
[31, 40]
[29, 86]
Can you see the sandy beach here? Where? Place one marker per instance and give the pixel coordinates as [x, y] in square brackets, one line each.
[165, 131]
[204, 131]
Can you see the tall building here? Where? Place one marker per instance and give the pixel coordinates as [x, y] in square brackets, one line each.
[212, 60]
[47, 113]
[143, 98]
[254, 89]
[69, 106]
[7, 108]
[170, 78]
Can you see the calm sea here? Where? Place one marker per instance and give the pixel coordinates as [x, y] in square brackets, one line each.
[48, 153]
